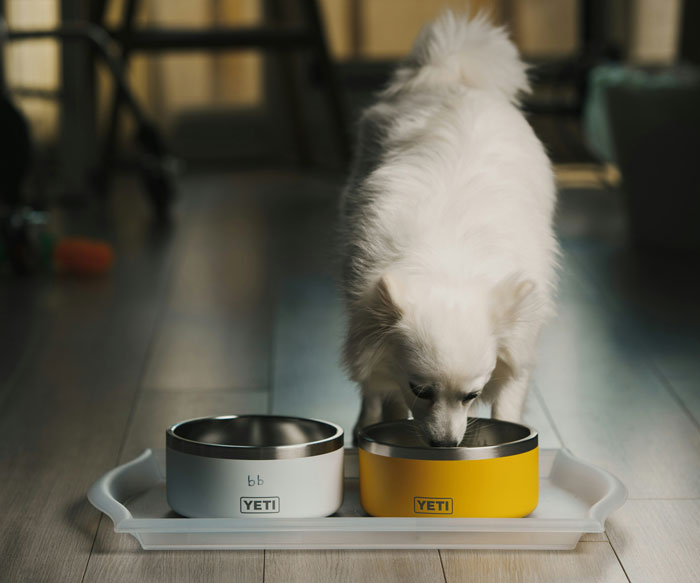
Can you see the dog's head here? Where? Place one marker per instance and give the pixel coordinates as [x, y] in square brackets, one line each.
[442, 343]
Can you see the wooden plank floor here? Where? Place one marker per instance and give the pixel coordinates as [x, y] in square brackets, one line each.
[234, 309]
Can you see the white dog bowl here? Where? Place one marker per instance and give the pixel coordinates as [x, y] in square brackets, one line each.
[254, 466]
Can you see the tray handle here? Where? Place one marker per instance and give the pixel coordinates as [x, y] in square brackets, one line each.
[614, 497]
[109, 492]
[599, 487]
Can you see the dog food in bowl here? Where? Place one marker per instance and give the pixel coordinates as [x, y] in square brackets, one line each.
[254, 466]
[493, 472]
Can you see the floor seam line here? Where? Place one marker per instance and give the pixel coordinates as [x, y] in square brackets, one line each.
[442, 565]
[161, 301]
[92, 548]
[164, 296]
[619, 561]
[548, 414]
[264, 562]
[668, 385]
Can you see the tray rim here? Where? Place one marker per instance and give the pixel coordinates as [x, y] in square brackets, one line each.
[102, 496]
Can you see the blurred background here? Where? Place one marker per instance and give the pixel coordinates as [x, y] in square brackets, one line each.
[195, 150]
[221, 96]
[169, 176]
[210, 140]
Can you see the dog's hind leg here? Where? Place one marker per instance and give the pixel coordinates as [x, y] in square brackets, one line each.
[510, 397]
[370, 413]
[394, 408]
[379, 403]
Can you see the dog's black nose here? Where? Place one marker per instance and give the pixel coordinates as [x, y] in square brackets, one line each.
[443, 443]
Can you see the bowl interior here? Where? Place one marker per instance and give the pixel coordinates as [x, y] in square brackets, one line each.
[254, 431]
[480, 433]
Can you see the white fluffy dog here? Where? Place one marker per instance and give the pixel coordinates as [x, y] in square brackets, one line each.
[448, 252]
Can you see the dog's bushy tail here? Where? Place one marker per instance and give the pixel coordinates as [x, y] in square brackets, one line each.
[472, 52]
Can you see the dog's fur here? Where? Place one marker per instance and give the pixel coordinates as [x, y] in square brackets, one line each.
[447, 245]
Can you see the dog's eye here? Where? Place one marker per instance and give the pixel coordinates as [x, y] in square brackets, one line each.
[422, 391]
[469, 397]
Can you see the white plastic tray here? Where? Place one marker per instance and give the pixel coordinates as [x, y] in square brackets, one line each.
[575, 497]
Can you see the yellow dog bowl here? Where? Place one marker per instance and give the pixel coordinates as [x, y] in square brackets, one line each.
[492, 473]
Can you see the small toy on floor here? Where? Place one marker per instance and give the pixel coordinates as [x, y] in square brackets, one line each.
[81, 256]
[27, 247]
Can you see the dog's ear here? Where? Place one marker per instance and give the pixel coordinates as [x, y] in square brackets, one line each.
[515, 302]
[387, 299]
[511, 299]
[370, 326]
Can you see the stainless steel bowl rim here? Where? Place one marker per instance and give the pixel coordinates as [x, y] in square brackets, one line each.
[254, 452]
[388, 449]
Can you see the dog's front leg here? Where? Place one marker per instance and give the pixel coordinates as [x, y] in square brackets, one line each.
[394, 408]
[510, 397]
[381, 401]
[370, 411]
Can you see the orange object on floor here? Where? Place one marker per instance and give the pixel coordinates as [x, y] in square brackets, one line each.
[80, 256]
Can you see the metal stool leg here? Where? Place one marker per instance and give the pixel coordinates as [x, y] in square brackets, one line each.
[109, 147]
[292, 98]
[333, 94]
[3, 25]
